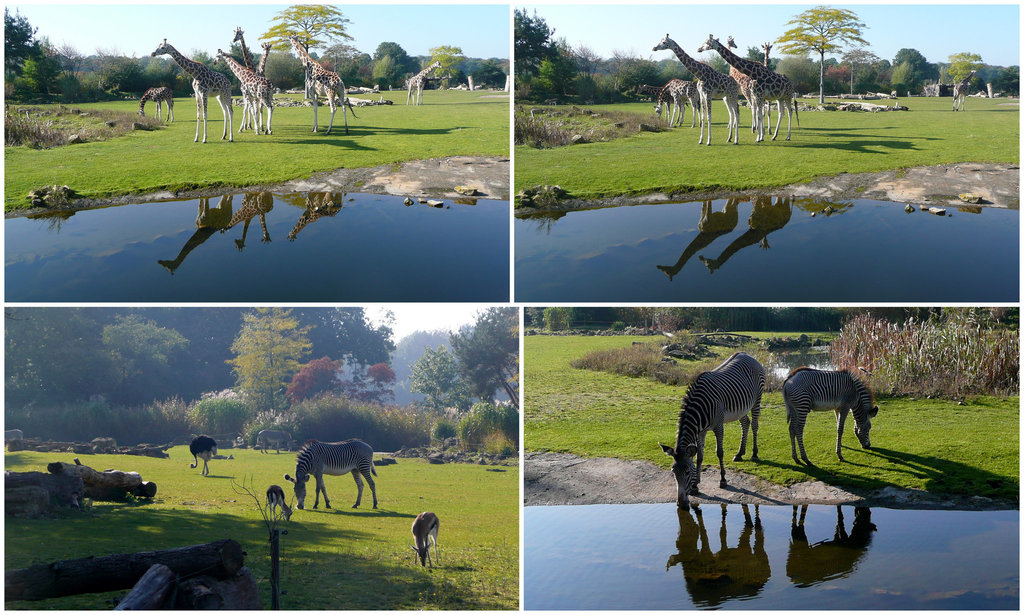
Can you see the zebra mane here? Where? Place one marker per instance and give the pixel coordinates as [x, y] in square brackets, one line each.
[686, 402]
[798, 369]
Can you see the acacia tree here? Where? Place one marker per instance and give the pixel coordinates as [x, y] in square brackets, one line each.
[821, 29]
[268, 349]
[315, 25]
[961, 64]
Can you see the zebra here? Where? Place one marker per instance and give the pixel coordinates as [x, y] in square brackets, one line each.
[424, 532]
[335, 458]
[729, 392]
[271, 436]
[807, 389]
[202, 447]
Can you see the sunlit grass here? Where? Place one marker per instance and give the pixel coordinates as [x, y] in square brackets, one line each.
[342, 558]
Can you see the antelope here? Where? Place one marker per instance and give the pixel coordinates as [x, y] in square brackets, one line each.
[275, 498]
[424, 532]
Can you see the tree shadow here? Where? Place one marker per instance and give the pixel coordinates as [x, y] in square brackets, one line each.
[952, 477]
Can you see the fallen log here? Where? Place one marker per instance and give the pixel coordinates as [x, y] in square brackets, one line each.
[151, 592]
[60, 491]
[221, 559]
[107, 485]
[159, 589]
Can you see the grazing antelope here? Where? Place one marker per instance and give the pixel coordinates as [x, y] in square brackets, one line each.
[275, 498]
[424, 532]
[202, 447]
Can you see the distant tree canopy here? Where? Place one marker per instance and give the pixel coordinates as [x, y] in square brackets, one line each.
[961, 64]
[821, 30]
[268, 351]
[315, 25]
[19, 42]
[488, 353]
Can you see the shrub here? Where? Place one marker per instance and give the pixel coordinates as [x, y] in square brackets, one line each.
[497, 443]
[331, 418]
[618, 325]
[80, 422]
[485, 419]
[284, 421]
[219, 415]
[557, 318]
[443, 429]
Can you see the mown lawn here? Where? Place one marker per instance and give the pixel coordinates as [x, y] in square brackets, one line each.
[341, 558]
[447, 123]
[929, 444]
[825, 143]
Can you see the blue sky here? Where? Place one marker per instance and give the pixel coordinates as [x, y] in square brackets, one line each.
[936, 30]
[481, 30]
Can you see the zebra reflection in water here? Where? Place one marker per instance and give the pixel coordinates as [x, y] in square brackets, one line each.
[810, 564]
[716, 577]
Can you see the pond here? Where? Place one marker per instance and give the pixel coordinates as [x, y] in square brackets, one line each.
[655, 556]
[768, 249]
[785, 361]
[259, 246]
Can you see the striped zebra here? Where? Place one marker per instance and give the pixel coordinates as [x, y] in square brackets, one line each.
[335, 458]
[729, 392]
[807, 389]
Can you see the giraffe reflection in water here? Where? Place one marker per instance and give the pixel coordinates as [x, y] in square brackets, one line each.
[715, 577]
[210, 220]
[810, 564]
[318, 205]
[712, 225]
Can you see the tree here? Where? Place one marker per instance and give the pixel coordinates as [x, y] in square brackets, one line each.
[449, 58]
[142, 352]
[316, 377]
[488, 353]
[387, 72]
[961, 64]
[19, 45]
[857, 59]
[586, 59]
[1008, 80]
[436, 375]
[405, 63]
[917, 71]
[68, 57]
[489, 73]
[532, 43]
[315, 25]
[822, 30]
[267, 352]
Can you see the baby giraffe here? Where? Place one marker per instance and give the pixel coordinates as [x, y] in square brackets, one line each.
[424, 532]
[275, 498]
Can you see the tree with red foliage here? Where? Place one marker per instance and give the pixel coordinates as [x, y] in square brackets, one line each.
[316, 377]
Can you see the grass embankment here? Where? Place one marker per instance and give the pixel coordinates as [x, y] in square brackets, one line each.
[930, 444]
[341, 558]
[825, 143]
[448, 123]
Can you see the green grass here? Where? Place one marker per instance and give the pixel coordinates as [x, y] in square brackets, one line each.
[930, 444]
[448, 123]
[341, 558]
[826, 143]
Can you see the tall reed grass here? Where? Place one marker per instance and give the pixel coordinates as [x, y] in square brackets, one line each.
[957, 353]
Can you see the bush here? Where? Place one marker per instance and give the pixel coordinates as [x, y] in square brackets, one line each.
[557, 318]
[221, 414]
[283, 421]
[443, 429]
[158, 422]
[331, 418]
[486, 419]
[618, 325]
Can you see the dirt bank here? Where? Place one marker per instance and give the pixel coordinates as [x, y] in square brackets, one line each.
[997, 184]
[435, 178]
[560, 478]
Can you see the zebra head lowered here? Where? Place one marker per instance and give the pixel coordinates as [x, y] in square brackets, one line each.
[684, 471]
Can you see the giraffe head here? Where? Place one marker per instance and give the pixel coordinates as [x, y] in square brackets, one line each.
[666, 43]
[266, 47]
[238, 34]
[711, 43]
[222, 56]
[731, 43]
[162, 49]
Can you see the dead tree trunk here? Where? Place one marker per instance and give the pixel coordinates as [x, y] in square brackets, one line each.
[151, 592]
[220, 559]
[106, 485]
[23, 492]
[160, 589]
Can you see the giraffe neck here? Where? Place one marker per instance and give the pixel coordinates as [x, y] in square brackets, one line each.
[703, 71]
[743, 65]
[246, 57]
[191, 67]
[263, 61]
[235, 67]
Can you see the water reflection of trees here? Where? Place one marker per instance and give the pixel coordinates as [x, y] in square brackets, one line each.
[714, 577]
[810, 564]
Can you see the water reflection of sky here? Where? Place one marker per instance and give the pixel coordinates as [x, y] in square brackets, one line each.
[864, 251]
[620, 557]
[362, 248]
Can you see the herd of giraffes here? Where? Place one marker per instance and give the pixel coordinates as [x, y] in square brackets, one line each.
[257, 91]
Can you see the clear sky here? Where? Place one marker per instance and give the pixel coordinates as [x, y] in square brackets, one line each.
[936, 30]
[481, 30]
[412, 317]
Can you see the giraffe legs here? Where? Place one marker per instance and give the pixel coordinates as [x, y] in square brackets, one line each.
[200, 115]
[224, 98]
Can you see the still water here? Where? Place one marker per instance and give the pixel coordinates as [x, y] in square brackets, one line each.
[655, 556]
[768, 249]
[260, 246]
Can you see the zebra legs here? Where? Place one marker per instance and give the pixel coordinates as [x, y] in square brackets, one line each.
[720, 450]
[840, 422]
[359, 485]
[796, 418]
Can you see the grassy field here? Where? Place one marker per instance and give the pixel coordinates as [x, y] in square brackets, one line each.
[448, 123]
[341, 558]
[916, 443]
[826, 143]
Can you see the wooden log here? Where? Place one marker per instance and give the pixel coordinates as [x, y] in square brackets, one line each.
[152, 591]
[221, 559]
[238, 593]
[106, 485]
[61, 490]
[26, 502]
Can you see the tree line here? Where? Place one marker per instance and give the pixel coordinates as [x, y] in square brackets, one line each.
[36, 70]
[550, 69]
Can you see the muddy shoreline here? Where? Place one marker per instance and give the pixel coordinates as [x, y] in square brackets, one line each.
[997, 184]
[560, 478]
[433, 178]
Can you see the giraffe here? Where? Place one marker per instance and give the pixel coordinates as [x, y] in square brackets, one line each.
[417, 82]
[325, 82]
[318, 205]
[204, 82]
[209, 220]
[767, 47]
[158, 96]
[746, 84]
[247, 120]
[263, 59]
[678, 90]
[960, 89]
[710, 84]
[711, 226]
[256, 92]
[768, 85]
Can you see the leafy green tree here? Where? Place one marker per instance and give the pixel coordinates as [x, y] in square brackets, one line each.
[449, 58]
[488, 353]
[858, 60]
[555, 79]
[489, 73]
[40, 74]
[918, 70]
[387, 72]
[315, 25]
[902, 78]
[143, 353]
[821, 30]
[558, 318]
[268, 351]
[801, 70]
[532, 43]
[436, 375]
[405, 63]
[1008, 80]
[961, 64]
[19, 45]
